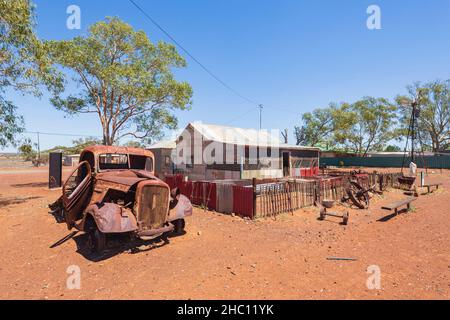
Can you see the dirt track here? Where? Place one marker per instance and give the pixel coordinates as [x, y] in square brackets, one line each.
[224, 257]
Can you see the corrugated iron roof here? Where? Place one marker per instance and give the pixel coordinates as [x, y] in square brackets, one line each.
[165, 144]
[241, 136]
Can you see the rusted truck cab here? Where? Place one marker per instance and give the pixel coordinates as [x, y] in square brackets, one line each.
[114, 190]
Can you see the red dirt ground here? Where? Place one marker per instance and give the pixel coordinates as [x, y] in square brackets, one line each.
[225, 257]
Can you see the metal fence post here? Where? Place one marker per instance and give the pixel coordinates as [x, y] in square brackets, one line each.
[254, 198]
[316, 192]
[55, 170]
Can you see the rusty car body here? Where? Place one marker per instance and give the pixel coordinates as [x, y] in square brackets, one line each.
[114, 190]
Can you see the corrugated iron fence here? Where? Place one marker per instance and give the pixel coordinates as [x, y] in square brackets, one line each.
[205, 194]
[431, 162]
[243, 201]
[268, 198]
[201, 193]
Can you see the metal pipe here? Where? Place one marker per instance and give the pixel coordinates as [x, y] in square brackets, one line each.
[342, 259]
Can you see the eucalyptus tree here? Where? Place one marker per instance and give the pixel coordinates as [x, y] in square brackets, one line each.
[372, 125]
[360, 127]
[433, 119]
[24, 64]
[123, 78]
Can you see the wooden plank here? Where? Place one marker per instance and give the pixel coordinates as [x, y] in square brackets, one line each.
[400, 203]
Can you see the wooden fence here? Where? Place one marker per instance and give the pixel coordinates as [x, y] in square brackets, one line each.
[287, 196]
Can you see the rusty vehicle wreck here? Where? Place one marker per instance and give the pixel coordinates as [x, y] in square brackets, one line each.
[114, 190]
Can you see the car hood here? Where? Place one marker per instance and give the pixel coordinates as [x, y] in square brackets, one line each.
[126, 177]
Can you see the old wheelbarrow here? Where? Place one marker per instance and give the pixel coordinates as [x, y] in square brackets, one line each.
[328, 204]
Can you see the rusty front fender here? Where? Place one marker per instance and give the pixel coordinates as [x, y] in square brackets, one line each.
[182, 209]
[111, 218]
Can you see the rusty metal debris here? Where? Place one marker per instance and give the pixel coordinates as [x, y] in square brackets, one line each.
[114, 190]
[407, 181]
[358, 195]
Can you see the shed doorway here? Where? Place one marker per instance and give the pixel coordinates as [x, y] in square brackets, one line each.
[286, 164]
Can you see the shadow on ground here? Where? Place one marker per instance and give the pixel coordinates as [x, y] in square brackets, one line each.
[391, 216]
[7, 201]
[116, 244]
[31, 185]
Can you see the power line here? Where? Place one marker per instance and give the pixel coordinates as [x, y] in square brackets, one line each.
[261, 107]
[258, 108]
[62, 134]
[241, 116]
[191, 56]
[258, 105]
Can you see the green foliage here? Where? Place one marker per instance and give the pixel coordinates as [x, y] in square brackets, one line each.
[82, 143]
[134, 144]
[78, 145]
[11, 124]
[126, 80]
[363, 126]
[392, 148]
[433, 99]
[370, 127]
[370, 123]
[317, 127]
[26, 151]
[24, 64]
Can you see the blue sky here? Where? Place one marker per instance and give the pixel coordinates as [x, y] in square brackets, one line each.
[291, 56]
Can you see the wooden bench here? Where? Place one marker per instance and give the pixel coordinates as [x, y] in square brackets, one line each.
[430, 185]
[395, 205]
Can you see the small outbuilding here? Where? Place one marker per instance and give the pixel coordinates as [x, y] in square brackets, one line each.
[213, 152]
[71, 160]
[163, 157]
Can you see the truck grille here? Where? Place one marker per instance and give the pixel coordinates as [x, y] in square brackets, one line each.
[153, 207]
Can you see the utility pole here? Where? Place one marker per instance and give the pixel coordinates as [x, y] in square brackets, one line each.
[415, 115]
[413, 129]
[39, 148]
[261, 107]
